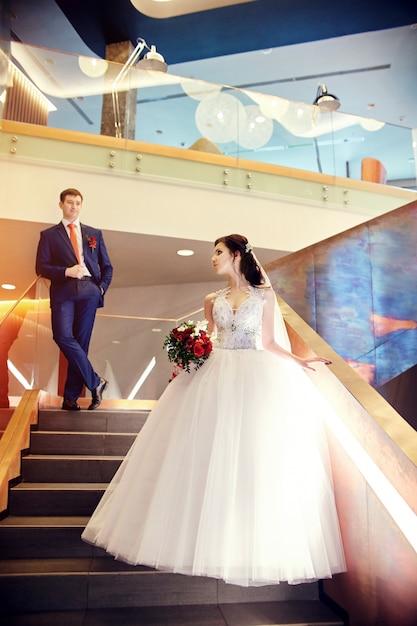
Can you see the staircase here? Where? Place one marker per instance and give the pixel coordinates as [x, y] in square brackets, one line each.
[46, 569]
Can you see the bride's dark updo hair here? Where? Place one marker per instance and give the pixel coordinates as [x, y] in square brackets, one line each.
[248, 265]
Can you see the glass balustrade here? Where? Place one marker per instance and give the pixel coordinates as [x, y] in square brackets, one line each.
[80, 94]
[126, 349]
[19, 340]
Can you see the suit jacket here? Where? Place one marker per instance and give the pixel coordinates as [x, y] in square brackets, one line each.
[55, 254]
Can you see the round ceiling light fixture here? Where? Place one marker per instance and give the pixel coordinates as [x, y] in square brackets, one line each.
[185, 252]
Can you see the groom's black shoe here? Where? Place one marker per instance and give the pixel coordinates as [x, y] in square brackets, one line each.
[97, 394]
[70, 405]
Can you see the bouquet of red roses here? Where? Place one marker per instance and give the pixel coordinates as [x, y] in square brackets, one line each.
[188, 344]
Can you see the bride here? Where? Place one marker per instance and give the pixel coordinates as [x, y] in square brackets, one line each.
[230, 476]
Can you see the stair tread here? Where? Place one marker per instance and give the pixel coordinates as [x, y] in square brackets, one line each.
[43, 521]
[29, 486]
[73, 565]
[102, 410]
[84, 433]
[283, 613]
[74, 457]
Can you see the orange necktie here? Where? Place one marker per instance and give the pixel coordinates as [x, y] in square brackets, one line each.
[73, 238]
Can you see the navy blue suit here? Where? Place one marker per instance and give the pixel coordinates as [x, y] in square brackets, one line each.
[74, 302]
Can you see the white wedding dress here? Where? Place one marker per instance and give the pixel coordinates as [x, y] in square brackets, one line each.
[230, 476]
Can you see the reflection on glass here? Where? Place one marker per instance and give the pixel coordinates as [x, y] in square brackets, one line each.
[18, 334]
[180, 112]
[292, 133]
[127, 350]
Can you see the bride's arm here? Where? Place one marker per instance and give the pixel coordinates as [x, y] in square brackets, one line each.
[208, 313]
[268, 334]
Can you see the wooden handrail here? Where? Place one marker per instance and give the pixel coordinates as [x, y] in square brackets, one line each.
[16, 438]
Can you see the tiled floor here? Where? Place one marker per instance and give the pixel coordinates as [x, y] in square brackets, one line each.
[247, 614]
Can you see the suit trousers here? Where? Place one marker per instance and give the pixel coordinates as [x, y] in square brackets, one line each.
[72, 326]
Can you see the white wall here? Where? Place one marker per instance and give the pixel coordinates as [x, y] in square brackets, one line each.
[30, 189]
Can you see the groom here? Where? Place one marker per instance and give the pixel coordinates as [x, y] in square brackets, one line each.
[74, 258]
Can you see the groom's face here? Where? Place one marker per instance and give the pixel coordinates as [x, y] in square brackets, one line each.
[71, 207]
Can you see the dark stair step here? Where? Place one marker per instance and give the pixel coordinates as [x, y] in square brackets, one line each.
[231, 614]
[54, 499]
[102, 421]
[65, 584]
[44, 537]
[92, 444]
[69, 468]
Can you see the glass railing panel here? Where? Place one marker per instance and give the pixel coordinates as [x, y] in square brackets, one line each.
[46, 361]
[18, 346]
[127, 350]
[173, 111]
[322, 140]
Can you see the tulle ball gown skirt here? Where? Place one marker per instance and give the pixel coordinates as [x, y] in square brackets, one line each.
[229, 478]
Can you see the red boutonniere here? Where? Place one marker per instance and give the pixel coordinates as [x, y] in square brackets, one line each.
[92, 243]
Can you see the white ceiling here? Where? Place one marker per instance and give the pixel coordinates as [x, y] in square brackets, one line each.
[138, 260]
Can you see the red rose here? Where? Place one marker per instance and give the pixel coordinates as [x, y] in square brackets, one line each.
[208, 348]
[198, 349]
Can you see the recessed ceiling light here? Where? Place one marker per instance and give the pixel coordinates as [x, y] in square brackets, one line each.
[185, 252]
[8, 286]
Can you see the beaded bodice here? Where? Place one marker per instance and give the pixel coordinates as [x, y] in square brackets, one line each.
[240, 329]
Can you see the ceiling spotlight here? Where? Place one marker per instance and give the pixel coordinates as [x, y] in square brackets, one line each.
[153, 61]
[326, 100]
[8, 286]
[185, 252]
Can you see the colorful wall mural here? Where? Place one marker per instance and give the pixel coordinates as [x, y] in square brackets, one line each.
[358, 290]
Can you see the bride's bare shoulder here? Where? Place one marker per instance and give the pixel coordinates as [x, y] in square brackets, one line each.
[210, 297]
[267, 293]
